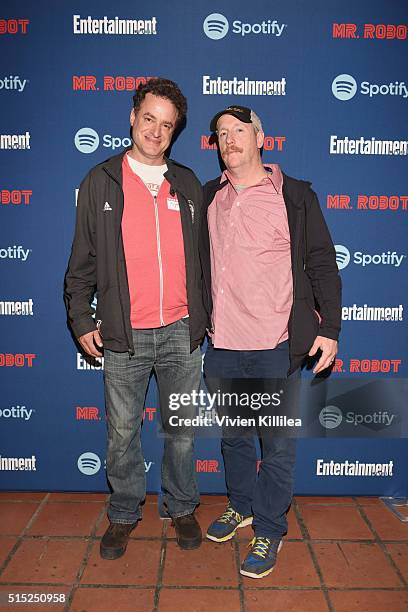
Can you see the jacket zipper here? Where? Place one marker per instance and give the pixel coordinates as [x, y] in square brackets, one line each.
[159, 257]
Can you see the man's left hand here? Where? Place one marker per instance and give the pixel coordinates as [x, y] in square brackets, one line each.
[329, 351]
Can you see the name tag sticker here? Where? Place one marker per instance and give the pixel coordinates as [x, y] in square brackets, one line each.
[172, 204]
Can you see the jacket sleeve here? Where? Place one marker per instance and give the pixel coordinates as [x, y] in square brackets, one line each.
[321, 268]
[80, 278]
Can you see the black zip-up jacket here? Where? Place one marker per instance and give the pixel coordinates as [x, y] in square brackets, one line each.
[316, 281]
[97, 261]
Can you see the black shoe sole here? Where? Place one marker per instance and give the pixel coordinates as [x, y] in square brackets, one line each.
[189, 545]
[111, 554]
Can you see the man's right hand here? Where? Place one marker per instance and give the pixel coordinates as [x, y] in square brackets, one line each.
[90, 342]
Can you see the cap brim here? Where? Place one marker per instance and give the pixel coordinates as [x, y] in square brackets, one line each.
[214, 120]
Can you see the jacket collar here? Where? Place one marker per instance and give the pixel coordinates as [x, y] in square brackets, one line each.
[113, 166]
[294, 190]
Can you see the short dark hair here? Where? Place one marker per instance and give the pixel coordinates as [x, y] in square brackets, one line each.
[163, 88]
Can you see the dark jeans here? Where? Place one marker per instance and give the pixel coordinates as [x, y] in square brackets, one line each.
[267, 494]
[165, 350]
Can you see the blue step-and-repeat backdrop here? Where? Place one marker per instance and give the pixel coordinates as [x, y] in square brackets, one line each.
[329, 81]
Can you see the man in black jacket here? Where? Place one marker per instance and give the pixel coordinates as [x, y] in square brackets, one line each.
[136, 244]
[272, 294]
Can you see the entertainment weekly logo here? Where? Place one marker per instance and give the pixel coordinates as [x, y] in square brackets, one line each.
[15, 142]
[367, 202]
[15, 197]
[89, 363]
[382, 314]
[116, 26]
[366, 146]
[271, 143]
[242, 87]
[108, 83]
[18, 464]
[353, 468]
[370, 31]
[367, 366]
[10, 308]
[14, 26]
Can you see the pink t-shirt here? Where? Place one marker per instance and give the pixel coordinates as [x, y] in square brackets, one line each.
[154, 253]
[251, 271]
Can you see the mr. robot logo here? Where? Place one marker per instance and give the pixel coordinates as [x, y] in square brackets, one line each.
[107, 83]
[367, 366]
[17, 360]
[208, 466]
[271, 143]
[15, 196]
[368, 202]
[149, 414]
[14, 26]
[370, 31]
[87, 413]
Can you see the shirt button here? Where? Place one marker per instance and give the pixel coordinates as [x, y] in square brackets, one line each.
[238, 203]
[223, 269]
[222, 290]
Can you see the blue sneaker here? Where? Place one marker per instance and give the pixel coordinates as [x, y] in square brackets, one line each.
[261, 559]
[225, 526]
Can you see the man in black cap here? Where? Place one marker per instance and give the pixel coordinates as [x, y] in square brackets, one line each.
[268, 261]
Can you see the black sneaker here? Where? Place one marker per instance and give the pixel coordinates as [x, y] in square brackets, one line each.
[188, 531]
[115, 540]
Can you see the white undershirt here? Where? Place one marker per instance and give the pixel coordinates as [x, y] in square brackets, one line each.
[152, 176]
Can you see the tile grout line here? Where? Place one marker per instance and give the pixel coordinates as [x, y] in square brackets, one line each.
[22, 534]
[160, 571]
[306, 538]
[84, 562]
[241, 590]
[381, 544]
[135, 538]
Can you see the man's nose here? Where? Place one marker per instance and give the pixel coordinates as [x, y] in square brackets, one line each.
[156, 130]
[230, 138]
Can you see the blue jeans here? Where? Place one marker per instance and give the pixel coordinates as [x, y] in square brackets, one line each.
[266, 495]
[165, 350]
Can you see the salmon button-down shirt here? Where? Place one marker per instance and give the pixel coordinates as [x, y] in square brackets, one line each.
[251, 273]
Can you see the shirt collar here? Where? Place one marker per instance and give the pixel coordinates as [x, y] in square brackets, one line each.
[274, 175]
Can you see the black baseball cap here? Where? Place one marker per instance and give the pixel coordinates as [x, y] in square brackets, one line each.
[240, 112]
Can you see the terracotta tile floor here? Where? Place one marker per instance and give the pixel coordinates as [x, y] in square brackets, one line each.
[341, 554]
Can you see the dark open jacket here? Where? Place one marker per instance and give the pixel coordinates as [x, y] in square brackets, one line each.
[316, 281]
[97, 260]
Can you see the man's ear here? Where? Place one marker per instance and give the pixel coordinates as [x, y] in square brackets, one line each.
[260, 137]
